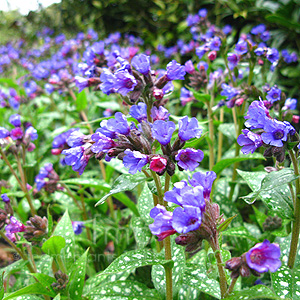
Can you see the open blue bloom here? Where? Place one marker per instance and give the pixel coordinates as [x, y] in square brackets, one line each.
[189, 67]
[233, 60]
[3, 133]
[189, 158]
[188, 129]
[215, 43]
[290, 103]
[77, 227]
[124, 82]
[228, 91]
[60, 140]
[241, 47]
[108, 82]
[186, 219]
[162, 131]
[134, 161]
[15, 226]
[204, 180]
[275, 133]
[272, 55]
[76, 139]
[250, 141]
[139, 112]
[273, 94]
[76, 158]
[186, 96]
[257, 115]
[201, 50]
[111, 127]
[162, 225]
[160, 113]
[15, 120]
[258, 29]
[44, 172]
[264, 257]
[102, 142]
[175, 71]
[81, 83]
[16, 133]
[5, 198]
[32, 133]
[141, 62]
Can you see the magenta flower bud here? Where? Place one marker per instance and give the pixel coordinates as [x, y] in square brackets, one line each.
[264, 257]
[56, 151]
[31, 147]
[295, 119]
[212, 55]
[16, 133]
[158, 164]
[158, 94]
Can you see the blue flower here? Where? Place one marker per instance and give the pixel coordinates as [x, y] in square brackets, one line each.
[124, 82]
[290, 103]
[76, 139]
[250, 141]
[76, 158]
[241, 47]
[186, 96]
[15, 120]
[134, 161]
[188, 159]
[3, 133]
[162, 131]
[188, 129]
[258, 29]
[102, 142]
[186, 219]
[272, 55]
[273, 94]
[5, 198]
[32, 133]
[77, 227]
[228, 91]
[162, 225]
[141, 63]
[264, 257]
[111, 127]
[81, 83]
[233, 60]
[275, 133]
[204, 180]
[257, 115]
[175, 71]
[159, 113]
[215, 43]
[139, 112]
[108, 82]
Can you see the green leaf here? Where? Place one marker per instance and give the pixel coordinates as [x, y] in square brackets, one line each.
[57, 297]
[254, 293]
[134, 259]
[285, 244]
[273, 190]
[14, 267]
[201, 96]
[224, 163]
[54, 245]
[145, 204]
[50, 221]
[124, 183]
[35, 288]
[81, 101]
[225, 224]
[241, 232]
[286, 22]
[77, 277]
[89, 182]
[290, 72]
[228, 129]
[1, 286]
[9, 82]
[141, 232]
[158, 272]
[260, 217]
[45, 280]
[124, 290]
[196, 278]
[64, 229]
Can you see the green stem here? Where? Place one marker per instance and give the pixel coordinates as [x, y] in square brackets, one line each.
[220, 137]
[61, 264]
[231, 287]
[296, 222]
[211, 133]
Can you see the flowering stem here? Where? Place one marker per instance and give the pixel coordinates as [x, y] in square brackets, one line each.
[296, 223]
[222, 277]
[220, 138]
[231, 287]
[211, 133]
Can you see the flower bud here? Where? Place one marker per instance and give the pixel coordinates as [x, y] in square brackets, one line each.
[295, 119]
[36, 229]
[158, 164]
[272, 223]
[158, 94]
[233, 263]
[212, 55]
[62, 280]
[56, 151]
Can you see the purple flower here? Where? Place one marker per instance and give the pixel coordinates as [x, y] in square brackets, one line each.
[290, 103]
[134, 161]
[81, 83]
[275, 133]
[31, 132]
[188, 129]
[189, 67]
[60, 140]
[250, 141]
[202, 12]
[108, 82]
[141, 63]
[162, 131]
[200, 51]
[16, 133]
[76, 158]
[158, 164]
[215, 43]
[102, 142]
[15, 120]
[162, 225]
[272, 55]
[186, 96]
[15, 226]
[175, 71]
[139, 112]
[228, 91]
[124, 82]
[273, 94]
[241, 47]
[227, 29]
[111, 127]
[258, 29]
[5, 198]
[159, 113]
[188, 159]
[77, 227]
[204, 180]
[186, 219]
[4, 133]
[233, 60]
[264, 257]
[76, 139]
[257, 115]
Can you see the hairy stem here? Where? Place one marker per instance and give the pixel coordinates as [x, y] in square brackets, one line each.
[231, 287]
[296, 222]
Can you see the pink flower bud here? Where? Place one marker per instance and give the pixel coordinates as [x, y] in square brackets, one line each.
[158, 94]
[295, 119]
[56, 151]
[212, 55]
[158, 164]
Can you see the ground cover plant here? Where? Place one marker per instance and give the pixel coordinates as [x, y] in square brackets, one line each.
[129, 172]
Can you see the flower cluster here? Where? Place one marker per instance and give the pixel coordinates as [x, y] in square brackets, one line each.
[47, 179]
